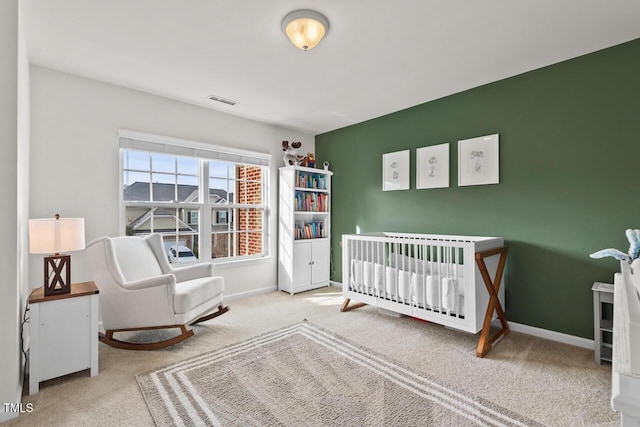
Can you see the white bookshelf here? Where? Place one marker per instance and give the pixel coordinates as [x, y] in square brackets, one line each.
[304, 228]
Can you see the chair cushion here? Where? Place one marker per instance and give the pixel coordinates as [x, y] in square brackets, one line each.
[194, 292]
[135, 258]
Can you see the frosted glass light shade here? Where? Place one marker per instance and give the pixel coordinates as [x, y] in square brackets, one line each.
[52, 236]
[305, 28]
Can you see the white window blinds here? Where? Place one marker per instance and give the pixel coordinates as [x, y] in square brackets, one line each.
[131, 140]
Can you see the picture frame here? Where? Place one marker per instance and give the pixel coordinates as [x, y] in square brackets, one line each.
[432, 166]
[395, 171]
[479, 160]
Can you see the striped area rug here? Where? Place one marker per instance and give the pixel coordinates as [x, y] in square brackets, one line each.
[303, 375]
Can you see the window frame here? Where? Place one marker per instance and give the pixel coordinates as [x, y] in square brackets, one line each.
[153, 144]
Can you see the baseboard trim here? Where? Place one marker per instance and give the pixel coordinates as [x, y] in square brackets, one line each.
[516, 327]
[239, 295]
[552, 335]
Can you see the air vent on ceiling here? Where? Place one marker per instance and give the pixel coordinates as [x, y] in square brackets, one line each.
[221, 99]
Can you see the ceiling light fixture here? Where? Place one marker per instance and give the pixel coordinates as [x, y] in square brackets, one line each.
[305, 28]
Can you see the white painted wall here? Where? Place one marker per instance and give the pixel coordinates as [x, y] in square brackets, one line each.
[14, 192]
[9, 306]
[24, 148]
[74, 158]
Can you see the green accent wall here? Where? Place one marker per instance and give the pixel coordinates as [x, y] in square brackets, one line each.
[569, 178]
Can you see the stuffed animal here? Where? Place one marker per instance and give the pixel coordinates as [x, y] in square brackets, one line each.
[290, 155]
[308, 161]
[633, 236]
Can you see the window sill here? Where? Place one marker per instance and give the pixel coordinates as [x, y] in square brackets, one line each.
[242, 262]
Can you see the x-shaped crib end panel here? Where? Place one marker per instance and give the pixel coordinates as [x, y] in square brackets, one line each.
[493, 286]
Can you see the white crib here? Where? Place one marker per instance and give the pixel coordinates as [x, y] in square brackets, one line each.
[427, 276]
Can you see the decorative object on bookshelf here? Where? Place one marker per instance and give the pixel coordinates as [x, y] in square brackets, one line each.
[308, 161]
[303, 237]
[478, 160]
[291, 156]
[395, 171]
[432, 166]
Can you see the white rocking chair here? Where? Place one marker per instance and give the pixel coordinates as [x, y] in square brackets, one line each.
[140, 290]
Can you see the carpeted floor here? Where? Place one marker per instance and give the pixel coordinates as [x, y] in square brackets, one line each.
[554, 384]
[305, 375]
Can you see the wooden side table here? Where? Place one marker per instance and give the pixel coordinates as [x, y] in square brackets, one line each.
[63, 333]
[602, 294]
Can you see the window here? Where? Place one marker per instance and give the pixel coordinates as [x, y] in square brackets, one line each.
[193, 217]
[207, 204]
[221, 217]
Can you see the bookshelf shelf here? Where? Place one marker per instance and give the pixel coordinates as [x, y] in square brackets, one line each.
[312, 190]
[304, 228]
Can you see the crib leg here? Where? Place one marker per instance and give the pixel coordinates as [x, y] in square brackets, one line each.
[485, 343]
[345, 305]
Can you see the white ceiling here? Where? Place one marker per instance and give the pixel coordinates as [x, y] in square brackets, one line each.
[379, 56]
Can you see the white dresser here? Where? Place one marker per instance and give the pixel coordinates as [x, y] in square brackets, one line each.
[625, 386]
[63, 333]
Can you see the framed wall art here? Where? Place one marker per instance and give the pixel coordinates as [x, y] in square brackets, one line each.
[432, 166]
[395, 171]
[478, 160]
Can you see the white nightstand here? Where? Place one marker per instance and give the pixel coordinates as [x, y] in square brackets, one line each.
[602, 325]
[63, 333]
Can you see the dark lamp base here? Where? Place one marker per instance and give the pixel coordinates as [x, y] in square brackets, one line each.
[57, 275]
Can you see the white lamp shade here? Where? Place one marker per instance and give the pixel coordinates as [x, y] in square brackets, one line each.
[50, 235]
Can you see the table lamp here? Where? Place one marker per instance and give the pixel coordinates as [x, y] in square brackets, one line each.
[53, 236]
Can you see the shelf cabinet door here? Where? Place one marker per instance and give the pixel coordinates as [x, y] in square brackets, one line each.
[311, 263]
[320, 261]
[65, 337]
[301, 264]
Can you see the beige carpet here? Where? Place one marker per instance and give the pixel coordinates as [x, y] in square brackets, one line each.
[555, 384]
[304, 375]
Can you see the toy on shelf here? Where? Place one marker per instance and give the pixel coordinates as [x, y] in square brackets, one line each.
[291, 156]
[308, 161]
